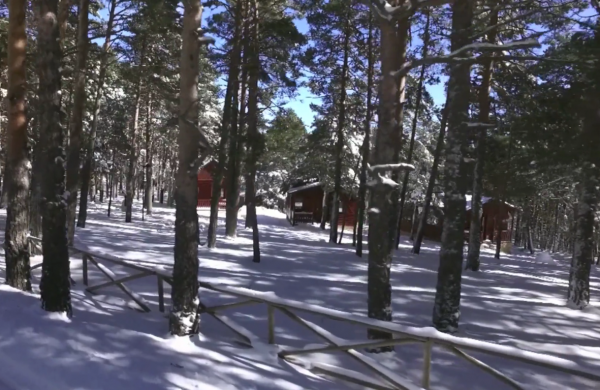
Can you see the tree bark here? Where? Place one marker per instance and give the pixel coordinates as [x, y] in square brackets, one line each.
[35, 195]
[578, 296]
[383, 205]
[446, 311]
[366, 146]
[86, 171]
[148, 181]
[254, 137]
[323, 223]
[502, 196]
[228, 119]
[473, 262]
[184, 318]
[339, 145]
[131, 171]
[439, 147]
[55, 284]
[16, 179]
[415, 121]
[76, 128]
[579, 280]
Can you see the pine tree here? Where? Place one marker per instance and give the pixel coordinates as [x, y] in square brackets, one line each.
[184, 319]
[16, 180]
[55, 285]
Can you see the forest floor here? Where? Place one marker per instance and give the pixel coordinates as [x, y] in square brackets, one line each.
[516, 301]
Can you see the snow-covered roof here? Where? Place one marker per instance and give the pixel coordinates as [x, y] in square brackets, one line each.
[484, 200]
[304, 187]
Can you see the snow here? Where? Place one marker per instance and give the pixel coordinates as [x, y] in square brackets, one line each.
[544, 257]
[516, 305]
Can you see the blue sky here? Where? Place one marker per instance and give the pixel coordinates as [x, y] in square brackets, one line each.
[301, 103]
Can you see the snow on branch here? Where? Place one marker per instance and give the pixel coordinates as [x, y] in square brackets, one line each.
[382, 181]
[456, 57]
[390, 167]
[204, 40]
[479, 125]
[384, 10]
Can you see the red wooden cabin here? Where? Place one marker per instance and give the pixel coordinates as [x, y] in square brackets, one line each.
[304, 204]
[492, 210]
[205, 186]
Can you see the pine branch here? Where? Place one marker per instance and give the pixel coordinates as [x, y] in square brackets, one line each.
[455, 56]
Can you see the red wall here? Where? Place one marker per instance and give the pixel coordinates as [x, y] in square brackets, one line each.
[204, 189]
[205, 186]
[350, 209]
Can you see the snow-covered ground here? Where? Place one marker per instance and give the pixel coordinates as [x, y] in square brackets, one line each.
[516, 301]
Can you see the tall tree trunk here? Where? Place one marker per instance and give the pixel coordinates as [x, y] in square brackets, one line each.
[254, 137]
[502, 196]
[324, 204]
[184, 318]
[76, 132]
[226, 124]
[437, 155]
[173, 165]
[446, 311]
[148, 181]
[55, 284]
[339, 145]
[579, 279]
[131, 174]
[403, 32]
[383, 205]
[473, 262]
[86, 171]
[238, 132]
[63, 18]
[35, 195]
[415, 121]
[16, 181]
[111, 182]
[554, 237]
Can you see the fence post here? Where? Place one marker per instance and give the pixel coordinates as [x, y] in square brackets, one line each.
[161, 296]
[426, 363]
[85, 269]
[271, 313]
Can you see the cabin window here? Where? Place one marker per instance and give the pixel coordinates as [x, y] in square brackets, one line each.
[298, 203]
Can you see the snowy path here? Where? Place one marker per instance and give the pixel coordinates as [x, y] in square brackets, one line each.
[516, 301]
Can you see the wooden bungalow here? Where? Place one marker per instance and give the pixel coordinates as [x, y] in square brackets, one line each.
[492, 210]
[205, 186]
[304, 204]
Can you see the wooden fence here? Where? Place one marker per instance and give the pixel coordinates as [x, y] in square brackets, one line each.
[385, 379]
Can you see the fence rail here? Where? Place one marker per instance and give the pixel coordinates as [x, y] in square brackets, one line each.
[385, 379]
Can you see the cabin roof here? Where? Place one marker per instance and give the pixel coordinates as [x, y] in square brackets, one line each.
[304, 187]
[486, 199]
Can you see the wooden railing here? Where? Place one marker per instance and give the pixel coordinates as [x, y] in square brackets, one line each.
[302, 217]
[385, 378]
